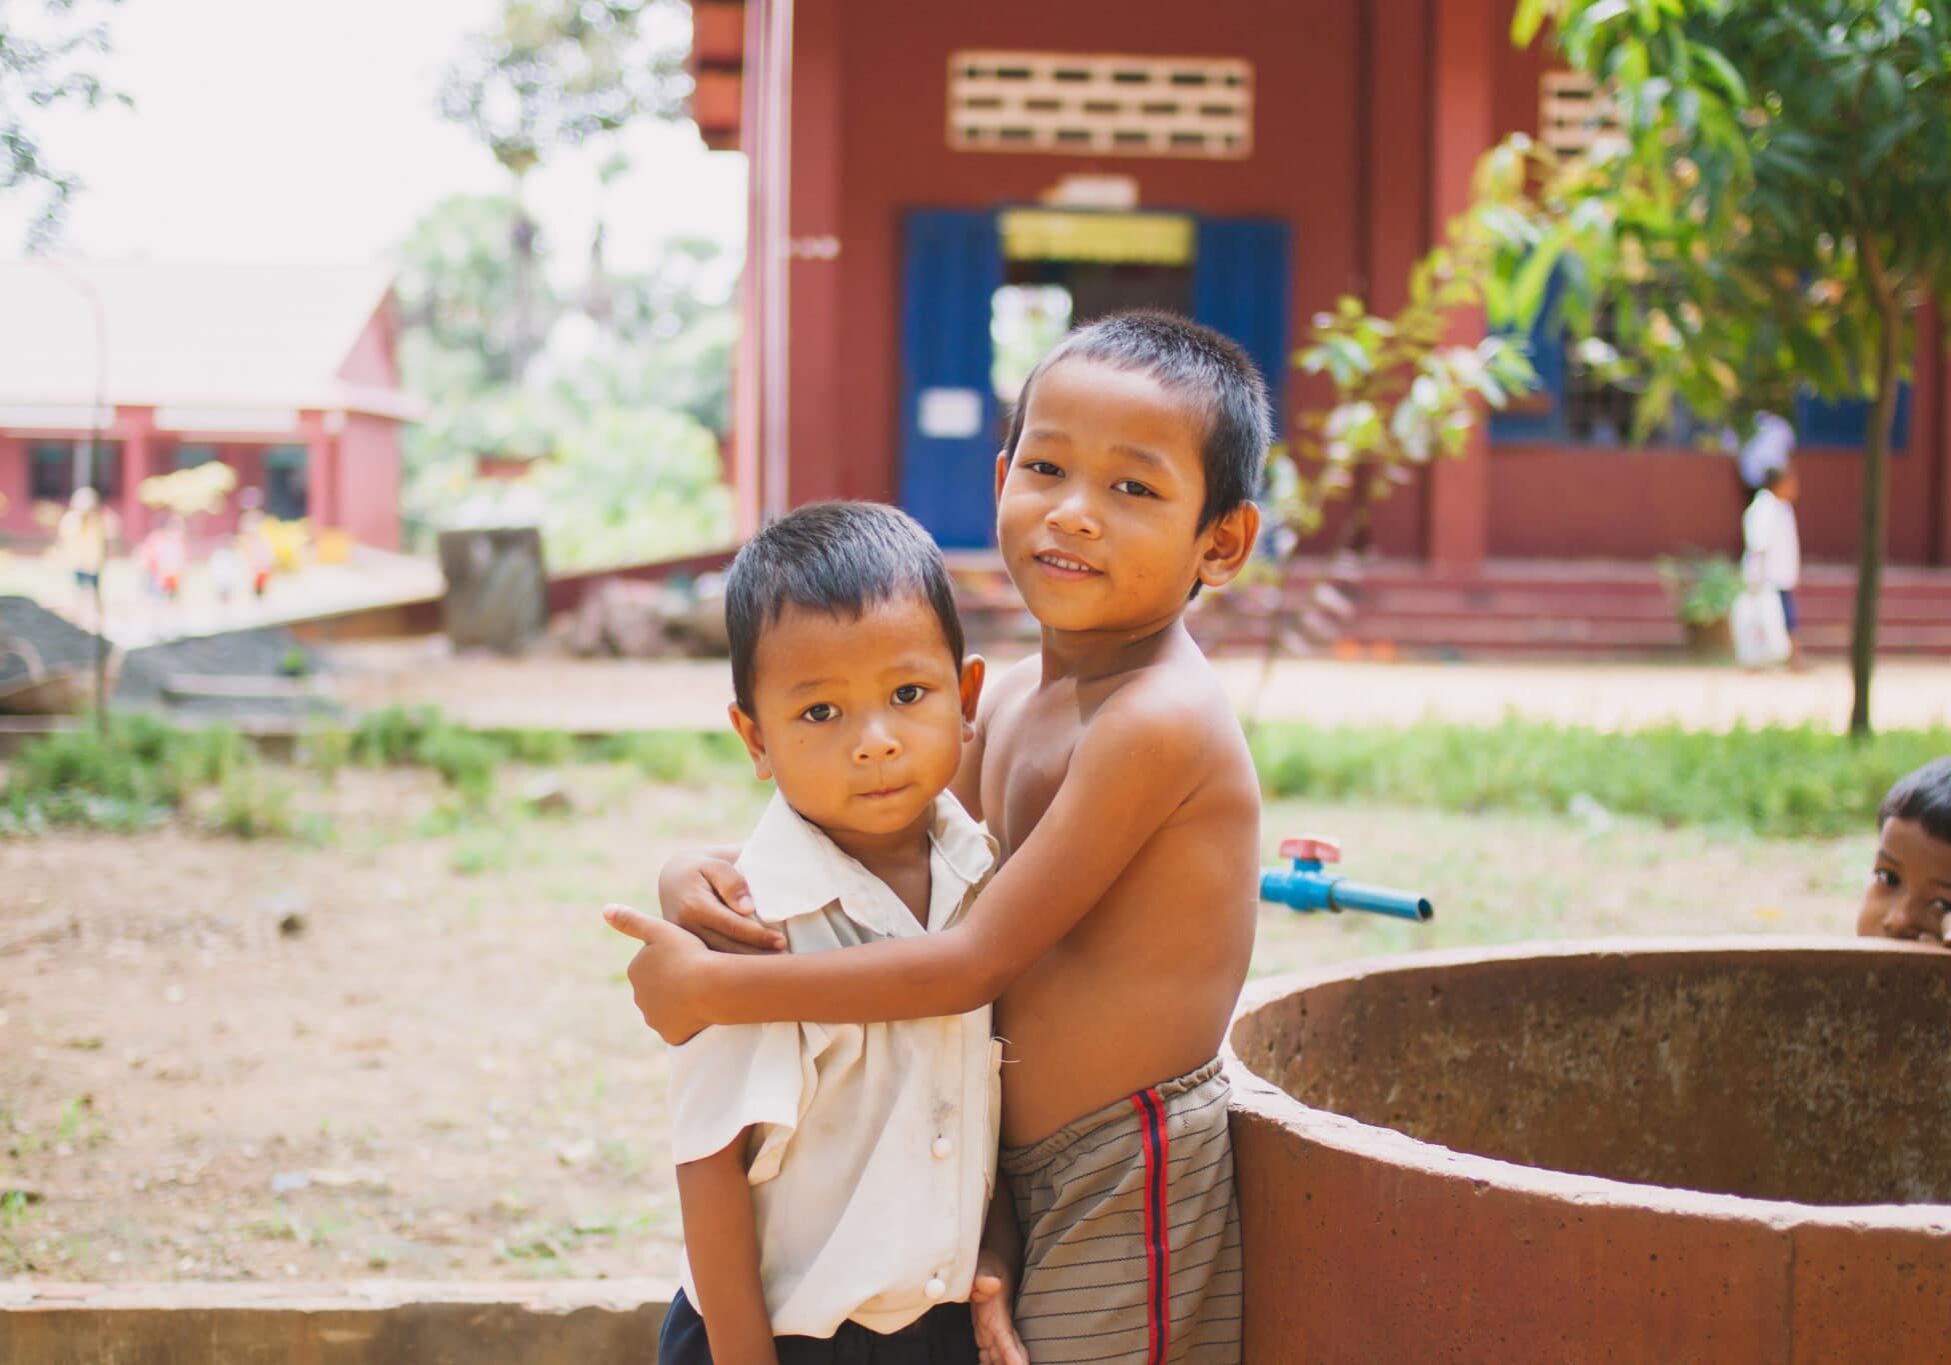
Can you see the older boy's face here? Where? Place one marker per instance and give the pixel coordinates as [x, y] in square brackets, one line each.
[861, 723]
[1909, 893]
[1098, 514]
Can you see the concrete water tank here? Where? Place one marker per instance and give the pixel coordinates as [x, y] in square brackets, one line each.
[1722, 1150]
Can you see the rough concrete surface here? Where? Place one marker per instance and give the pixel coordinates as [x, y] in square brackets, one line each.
[1763, 1066]
[369, 1322]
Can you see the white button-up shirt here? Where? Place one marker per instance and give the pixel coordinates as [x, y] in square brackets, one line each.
[1774, 558]
[873, 1146]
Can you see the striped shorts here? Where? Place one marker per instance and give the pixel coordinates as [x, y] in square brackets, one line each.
[1131, 1233]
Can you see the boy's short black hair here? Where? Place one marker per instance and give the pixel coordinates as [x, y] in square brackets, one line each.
[1186, 358]
[1923, 796]
[835, 557]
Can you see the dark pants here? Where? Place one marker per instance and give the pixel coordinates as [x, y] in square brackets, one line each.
[942, 1336]
[1789, 618]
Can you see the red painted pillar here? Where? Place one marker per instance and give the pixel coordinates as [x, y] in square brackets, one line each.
[1464, 39]
[1932, 434]
[137, 427]
[825, 462]
[769, 43]
[321, 469]
[752, 402]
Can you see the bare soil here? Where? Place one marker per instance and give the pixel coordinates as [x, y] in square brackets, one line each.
[412, 1052]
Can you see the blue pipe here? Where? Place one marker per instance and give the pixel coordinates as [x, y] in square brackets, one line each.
[1306, 888]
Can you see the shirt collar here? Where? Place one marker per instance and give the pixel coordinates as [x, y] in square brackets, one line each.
[792, 868]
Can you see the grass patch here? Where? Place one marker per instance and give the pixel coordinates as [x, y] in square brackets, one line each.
[1779, 781]
[137, 775]
[144, 772]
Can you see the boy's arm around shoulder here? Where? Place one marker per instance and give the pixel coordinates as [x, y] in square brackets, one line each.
[1141, 757]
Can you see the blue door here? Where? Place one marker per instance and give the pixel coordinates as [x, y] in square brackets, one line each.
[949, 410]
[1241, 285]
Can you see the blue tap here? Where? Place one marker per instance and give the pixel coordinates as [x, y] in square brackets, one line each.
[1307, 888]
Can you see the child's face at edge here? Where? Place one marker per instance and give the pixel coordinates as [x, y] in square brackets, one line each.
[1098, 514]
[861, 723]
[1909, 893]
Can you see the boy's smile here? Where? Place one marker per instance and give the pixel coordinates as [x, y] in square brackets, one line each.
[1098, 512]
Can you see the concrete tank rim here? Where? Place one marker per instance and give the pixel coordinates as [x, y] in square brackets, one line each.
[1258, 1098]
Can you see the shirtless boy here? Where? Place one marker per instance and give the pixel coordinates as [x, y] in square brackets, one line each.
[1116, 934]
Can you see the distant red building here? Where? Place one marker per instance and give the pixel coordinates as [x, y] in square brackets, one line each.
[285, 373]
[1246, 162]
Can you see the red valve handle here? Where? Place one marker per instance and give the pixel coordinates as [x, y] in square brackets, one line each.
[1312, 847]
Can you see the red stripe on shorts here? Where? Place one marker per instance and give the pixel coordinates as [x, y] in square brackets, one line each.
[1158, 1250]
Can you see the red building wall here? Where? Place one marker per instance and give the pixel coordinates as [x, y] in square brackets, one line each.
[869, 141]
[366, 494]
[1345, 94]
[1561, 501]
[17, 516]
[372, 359]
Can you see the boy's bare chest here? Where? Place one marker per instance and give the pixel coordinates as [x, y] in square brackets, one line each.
[1025, 760]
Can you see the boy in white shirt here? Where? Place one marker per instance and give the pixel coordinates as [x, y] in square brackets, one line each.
[835, 1178]
[1774, 545]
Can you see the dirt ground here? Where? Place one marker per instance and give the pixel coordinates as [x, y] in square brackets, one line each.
[637, 694]
[411, 1052]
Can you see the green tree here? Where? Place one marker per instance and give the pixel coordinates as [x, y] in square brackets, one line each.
[1406, 391]
[45, 51]
[457, 288]
[1777, 211]
[552, 74]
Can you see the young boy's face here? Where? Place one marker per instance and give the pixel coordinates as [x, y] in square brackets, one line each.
[1910, 891]
[1098, 513]
[861, 723]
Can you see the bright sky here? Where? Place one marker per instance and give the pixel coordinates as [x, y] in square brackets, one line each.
[300, 131]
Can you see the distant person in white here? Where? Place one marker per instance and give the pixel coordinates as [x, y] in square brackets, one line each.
[1773, 558]
[835, 1178]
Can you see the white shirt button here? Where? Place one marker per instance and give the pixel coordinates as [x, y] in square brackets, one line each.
[942, 1148]
[935, 1288]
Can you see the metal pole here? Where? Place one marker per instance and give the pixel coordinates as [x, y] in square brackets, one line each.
[87, 472]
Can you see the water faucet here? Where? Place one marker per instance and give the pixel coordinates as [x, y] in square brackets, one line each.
[1307, 888]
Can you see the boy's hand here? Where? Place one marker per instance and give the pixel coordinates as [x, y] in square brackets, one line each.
[661, 972]
[995, 1331]
[707, 896]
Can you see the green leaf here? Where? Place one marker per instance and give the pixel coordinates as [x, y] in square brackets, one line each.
[1735, 88]
[1533, 280]
[1525, 23]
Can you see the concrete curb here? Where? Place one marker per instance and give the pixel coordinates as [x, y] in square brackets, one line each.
[367, 1322]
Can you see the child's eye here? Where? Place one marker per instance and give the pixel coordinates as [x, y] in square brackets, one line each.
[909, 693]
[1042, 467]
[1133, 487]
[1883, 876]
[820, 712]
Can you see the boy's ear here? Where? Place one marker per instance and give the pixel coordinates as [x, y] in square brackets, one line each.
[973, 672]
[748, 731]
[1002, 472]
[1229, 544]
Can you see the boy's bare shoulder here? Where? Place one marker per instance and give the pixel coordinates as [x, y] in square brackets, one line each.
[1175, 706]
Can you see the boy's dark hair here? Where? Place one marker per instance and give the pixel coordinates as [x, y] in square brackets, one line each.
[1923, 796]
[835, 557]
[1192, 360]
[1773, 475]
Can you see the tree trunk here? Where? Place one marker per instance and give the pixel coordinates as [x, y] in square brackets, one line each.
[1869, 549]
[521, 241]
